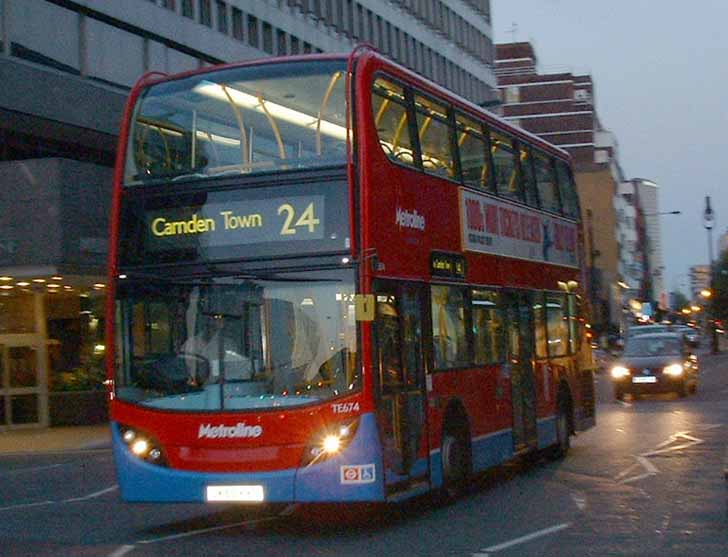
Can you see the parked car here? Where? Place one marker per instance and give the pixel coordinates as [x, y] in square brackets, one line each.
[655, 363]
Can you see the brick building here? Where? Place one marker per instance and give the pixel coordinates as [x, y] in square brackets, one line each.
[560, 108]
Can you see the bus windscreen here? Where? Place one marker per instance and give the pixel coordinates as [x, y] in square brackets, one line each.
[251, 119]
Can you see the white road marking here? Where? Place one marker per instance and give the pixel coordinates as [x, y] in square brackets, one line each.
[123, 550]
[706, 427]
[71, 500]
[650, 470]
[91, 495]
[579, 499]
[210, 529]
[33, 469]
[527, 537]
[684, 435]
[27, 505]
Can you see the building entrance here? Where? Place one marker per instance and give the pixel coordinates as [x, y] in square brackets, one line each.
[23, 396]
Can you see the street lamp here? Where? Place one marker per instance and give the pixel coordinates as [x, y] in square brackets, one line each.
[708, 223]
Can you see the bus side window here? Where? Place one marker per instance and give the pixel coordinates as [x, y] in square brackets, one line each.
[557, 325]
[504, 162]
[539, 324]
[567, 191]
[392, 122]
[434, 136]
[449, 335]
[574, 311]
[548, 189]
[488, 331]
[473, 152]
[528, 181]
[388, 341]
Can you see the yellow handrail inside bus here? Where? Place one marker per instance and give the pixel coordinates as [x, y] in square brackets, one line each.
[324, 106]
[239, 117]
[274, 125]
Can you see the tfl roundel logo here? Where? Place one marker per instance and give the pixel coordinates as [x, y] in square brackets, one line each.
[359, 474]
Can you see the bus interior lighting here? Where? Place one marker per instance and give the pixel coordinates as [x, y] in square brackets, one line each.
[278, 111]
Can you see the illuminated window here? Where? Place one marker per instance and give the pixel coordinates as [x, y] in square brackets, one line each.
[504, 162]
[527, 179]
[539, 324]
[548, 189]
[473, 149]
[557, 324]
[488, 331]
[434, 134]
[391, 120]
[449, 337]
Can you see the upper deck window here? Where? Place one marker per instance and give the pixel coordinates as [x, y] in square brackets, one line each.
[506, 170]
[473, 149]
[392, 122]
[267, 117]
[548, 189]
[527, 177]
[567, 191]
[434, 134]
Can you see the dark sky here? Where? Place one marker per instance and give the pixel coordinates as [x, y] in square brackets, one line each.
[660, 71]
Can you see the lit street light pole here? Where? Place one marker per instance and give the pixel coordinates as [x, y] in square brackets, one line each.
[708, 222]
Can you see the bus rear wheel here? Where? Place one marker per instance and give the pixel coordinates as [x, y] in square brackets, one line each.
[456, 465]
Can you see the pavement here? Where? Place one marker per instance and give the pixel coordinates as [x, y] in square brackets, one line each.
[55, 439]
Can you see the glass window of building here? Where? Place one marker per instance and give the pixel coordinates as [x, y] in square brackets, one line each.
[267, 37]
[253, 39]
[205, 12]
[188, 9]
[237, 24]
[222, 17]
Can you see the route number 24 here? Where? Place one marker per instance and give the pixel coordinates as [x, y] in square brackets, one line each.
[307, 218]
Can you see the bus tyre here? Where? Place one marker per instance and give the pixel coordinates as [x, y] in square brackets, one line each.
[682, 390]
[455, 465]
[563, 430]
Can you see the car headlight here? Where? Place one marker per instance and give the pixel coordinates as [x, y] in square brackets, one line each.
[619, 371]
[329, 442]
[675, 370]
[143, 446]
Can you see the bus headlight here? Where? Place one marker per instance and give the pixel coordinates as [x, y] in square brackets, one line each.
[329, 442]
[675, 370]
[143, 446]
[618, 372]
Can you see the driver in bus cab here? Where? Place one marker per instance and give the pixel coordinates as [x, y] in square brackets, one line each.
[211, 347]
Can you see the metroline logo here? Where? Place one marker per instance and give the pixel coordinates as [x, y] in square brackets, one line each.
[222, 431]
[409, 219]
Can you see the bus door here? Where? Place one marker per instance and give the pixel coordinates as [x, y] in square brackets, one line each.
[401, 382]
[520, 359]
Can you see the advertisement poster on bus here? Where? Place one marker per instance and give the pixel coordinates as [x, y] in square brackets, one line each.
[500, 228]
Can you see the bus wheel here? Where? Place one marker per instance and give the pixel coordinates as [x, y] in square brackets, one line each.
[456, 465]
[563, 430]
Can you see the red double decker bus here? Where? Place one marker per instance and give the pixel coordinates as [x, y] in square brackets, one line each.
[332, 280]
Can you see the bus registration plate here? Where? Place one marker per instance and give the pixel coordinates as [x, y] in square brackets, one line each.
[251, 493]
